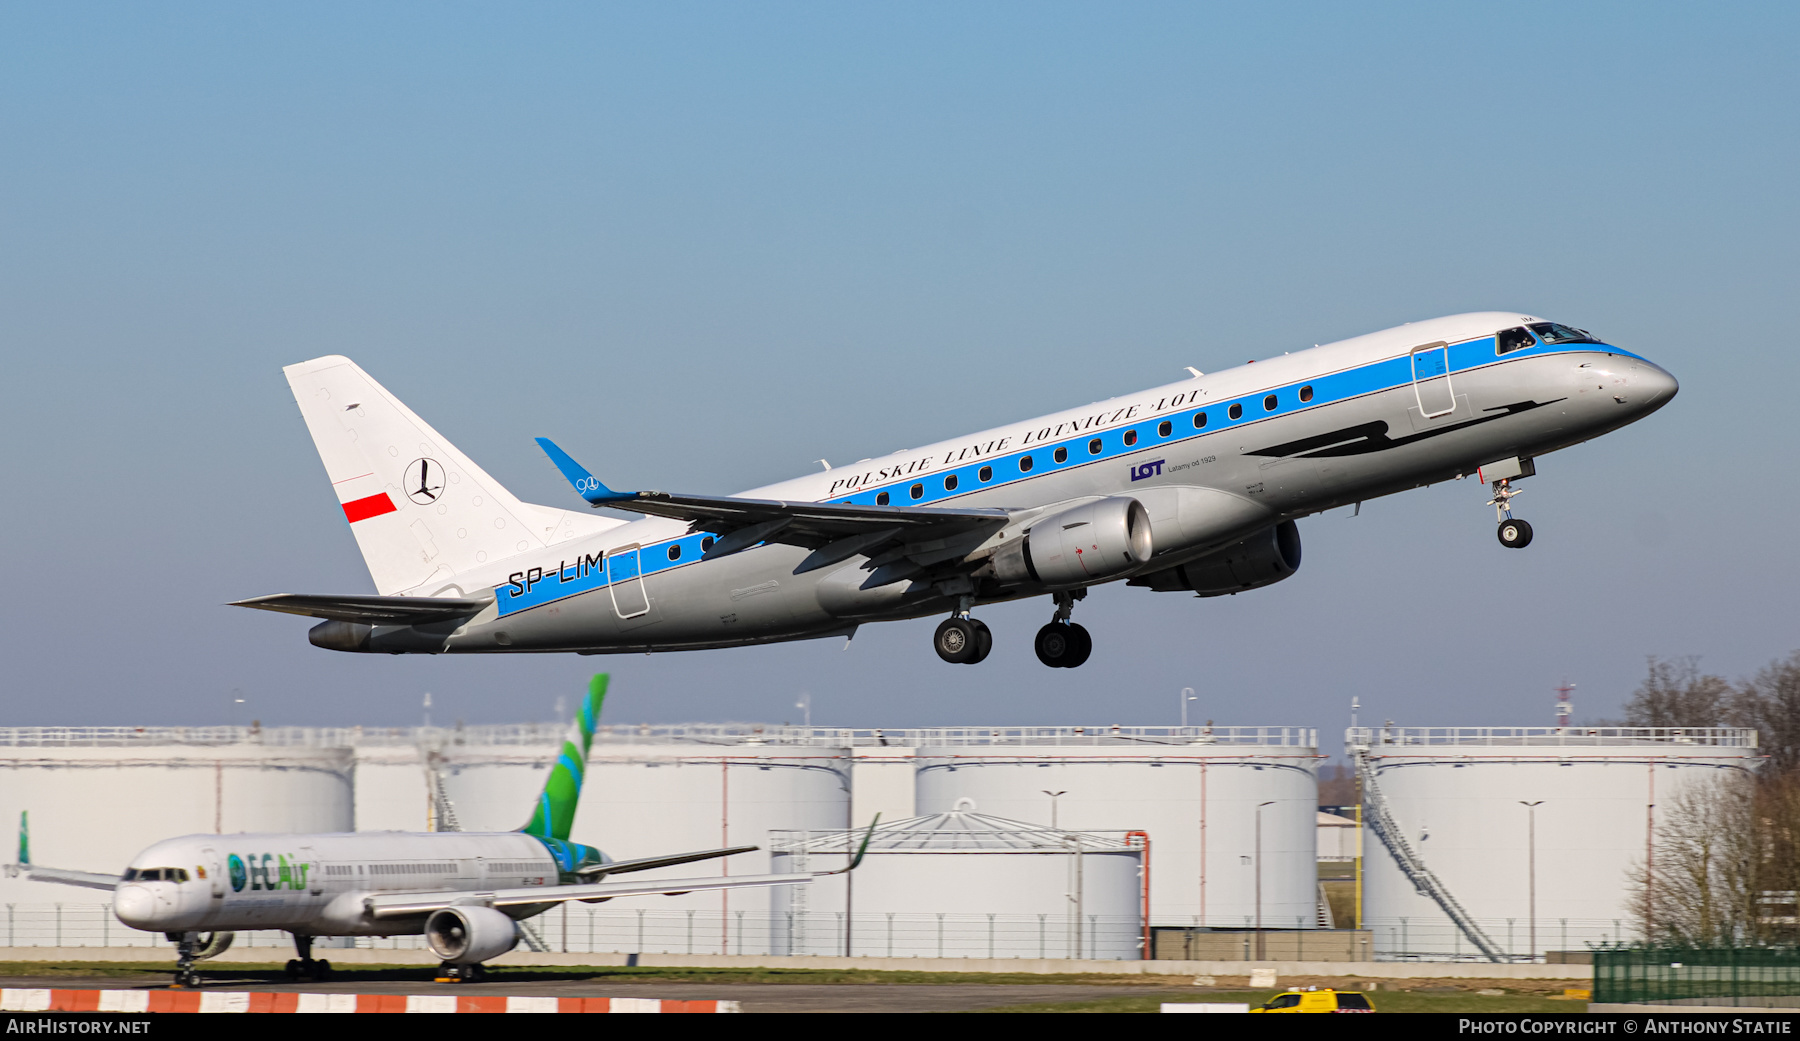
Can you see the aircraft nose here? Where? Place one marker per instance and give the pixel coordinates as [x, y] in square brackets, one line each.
[1655, 385]
[135, 906]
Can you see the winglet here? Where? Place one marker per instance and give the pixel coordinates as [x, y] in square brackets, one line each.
[856, 862]
[25, 838]
[586, 484]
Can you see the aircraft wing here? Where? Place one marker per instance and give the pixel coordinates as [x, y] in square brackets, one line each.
[87, 879]
[400, 905]
[369, 610]
[834, 530]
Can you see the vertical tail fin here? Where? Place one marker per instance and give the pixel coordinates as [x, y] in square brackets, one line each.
[422, 512]
[25, 838]
[555, 810]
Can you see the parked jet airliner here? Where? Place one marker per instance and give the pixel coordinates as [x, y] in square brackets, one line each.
[467, 892]
[1193, 486]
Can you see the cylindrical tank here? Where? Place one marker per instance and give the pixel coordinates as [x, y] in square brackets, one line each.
[1472, 802]
[961, 885]
[1230, 811]
[98, 795]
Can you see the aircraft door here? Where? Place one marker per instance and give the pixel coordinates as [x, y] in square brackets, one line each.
[625, 574]
[215, 872]
[1431, 379]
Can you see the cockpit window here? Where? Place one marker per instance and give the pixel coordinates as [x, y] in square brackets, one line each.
[1507, 341]
[1555, 332]
[156, 874]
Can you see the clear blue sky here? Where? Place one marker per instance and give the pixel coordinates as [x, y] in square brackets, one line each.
[704, 245]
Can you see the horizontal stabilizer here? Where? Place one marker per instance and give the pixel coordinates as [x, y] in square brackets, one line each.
[369, 610]
[88, 879]
[620, 867]
[400, 905]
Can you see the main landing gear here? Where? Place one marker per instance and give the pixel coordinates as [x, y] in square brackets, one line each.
[1513, 533]
[1062, 644]
[961, 640]
[457, 972]
[304, 967]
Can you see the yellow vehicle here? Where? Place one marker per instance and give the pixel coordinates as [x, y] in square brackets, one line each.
[1326, 1000]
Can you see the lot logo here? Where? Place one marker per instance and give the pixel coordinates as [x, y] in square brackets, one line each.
[267, 871]
[1153, 468]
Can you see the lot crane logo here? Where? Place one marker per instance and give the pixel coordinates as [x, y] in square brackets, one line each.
[424, 481]
[268, 871]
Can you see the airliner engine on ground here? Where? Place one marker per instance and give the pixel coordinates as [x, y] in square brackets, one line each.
[467, 892]
[1193, 486]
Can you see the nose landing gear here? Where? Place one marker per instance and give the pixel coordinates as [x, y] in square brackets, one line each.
[961, 640]
[1513, 533]
[1062, 644]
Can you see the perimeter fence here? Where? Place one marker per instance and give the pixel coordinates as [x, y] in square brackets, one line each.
[1760, 977]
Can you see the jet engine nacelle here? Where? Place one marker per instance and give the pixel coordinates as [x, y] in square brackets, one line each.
[1264, 558]
[470, 935]
[1094, 542]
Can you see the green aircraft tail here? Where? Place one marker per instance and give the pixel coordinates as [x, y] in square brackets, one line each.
[555, 810]
[24, 838]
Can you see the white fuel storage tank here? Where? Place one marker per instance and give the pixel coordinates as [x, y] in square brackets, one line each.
[1229, 811]
[962, 884]
[1534, 832]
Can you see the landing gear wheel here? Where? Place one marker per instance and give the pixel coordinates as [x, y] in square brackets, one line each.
[293, 968]
[956, 641]
[1084, 646]
[321, 969]
[1063, 645]
[984, 642]
[1515, 534]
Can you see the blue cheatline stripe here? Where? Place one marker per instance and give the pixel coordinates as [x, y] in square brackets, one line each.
[588, 573]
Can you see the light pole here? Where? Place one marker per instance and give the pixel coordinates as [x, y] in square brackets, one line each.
[1053, 796]
[1531, 865]
[1187, 695]
[1260, 950]
[805, 706]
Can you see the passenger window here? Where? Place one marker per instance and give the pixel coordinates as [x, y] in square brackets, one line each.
[882, 499]
[675, 552]
[1165, 429]
[918, 491]
[1025, 465]
[1236, 412]
[1062, 455]
[1094, 447]
[1130, 438]
[986, 474]
[1199, 420]
[950, 483]
[706, 543]
[1269, 403]
[1306, 393]
[1507, 341]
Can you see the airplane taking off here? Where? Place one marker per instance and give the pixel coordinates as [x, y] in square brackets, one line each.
[467, 892]
[1193, 486]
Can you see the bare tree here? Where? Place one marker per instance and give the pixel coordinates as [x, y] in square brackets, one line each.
[1676, 694]
[1726, 863]
[1770, 702]
[1696, 891]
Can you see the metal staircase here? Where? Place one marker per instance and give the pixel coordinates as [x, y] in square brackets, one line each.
[1378, 819]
